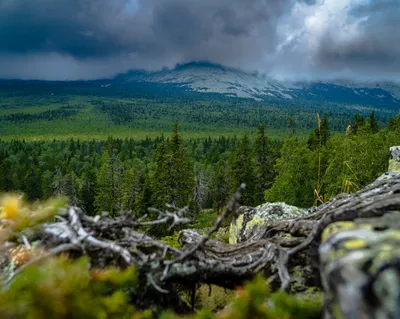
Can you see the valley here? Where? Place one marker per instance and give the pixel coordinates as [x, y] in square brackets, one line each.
[207, 100]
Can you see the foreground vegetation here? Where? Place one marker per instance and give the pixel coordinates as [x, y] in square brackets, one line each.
[37, 284]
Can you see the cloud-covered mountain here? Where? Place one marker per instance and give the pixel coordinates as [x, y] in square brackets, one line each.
[211, 78]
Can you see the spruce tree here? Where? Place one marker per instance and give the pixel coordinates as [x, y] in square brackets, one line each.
[373, 123]
[110, 183]
[160, 195]
[87, 191]
[131, 190]
[70, 188]
[220, 185]
[357, 123]
[265, 156]
[241, 170]
[173, 177]
[320, 136]
[292, 126]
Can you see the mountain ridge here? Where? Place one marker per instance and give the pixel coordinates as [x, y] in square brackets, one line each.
[207, 77]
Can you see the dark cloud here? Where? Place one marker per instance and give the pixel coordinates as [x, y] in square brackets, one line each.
[374, 49]
[59, 39]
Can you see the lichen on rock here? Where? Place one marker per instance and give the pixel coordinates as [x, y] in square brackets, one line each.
[360, 268]
[252, 220]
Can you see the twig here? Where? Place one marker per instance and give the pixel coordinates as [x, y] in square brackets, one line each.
[6, 246]
[55, 251]
[153, 283]
[230, 208]
[77, 226]
[26, 242]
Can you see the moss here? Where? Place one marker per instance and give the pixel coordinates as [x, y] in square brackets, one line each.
[312, 294]
[172, 240]
[213, 298]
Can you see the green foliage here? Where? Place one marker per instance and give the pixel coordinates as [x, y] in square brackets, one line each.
[266, 153]
[297, 175]
[173, 177]
[356, 161]
[61, 288]
[241, 170]
[172, 240]
[373, 123]
[320, 135]
[110, 180]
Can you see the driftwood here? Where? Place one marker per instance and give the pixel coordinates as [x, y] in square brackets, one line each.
[279, 251]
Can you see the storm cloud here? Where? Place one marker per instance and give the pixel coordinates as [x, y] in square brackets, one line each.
[89, 39]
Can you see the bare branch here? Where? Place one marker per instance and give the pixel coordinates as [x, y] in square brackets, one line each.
[230, 209]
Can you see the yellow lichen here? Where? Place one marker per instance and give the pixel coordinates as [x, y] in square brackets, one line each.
[336, 228]
[355, 244]
[234, 229]
[394, 166]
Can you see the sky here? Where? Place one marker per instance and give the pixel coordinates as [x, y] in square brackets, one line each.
[286, 39]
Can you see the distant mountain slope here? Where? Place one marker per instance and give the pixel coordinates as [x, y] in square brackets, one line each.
[211, 78]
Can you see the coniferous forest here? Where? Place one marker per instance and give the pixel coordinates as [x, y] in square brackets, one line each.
[131, 175]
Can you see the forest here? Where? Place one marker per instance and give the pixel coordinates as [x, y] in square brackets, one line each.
[144, 179]
[131, 175]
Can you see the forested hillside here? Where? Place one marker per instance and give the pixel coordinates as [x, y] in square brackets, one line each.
[127, 174]
[63, 110]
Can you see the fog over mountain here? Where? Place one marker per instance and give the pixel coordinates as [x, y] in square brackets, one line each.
[285, 39]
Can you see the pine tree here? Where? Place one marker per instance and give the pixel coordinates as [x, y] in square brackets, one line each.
[173, 178]
[320, 136]
[200, 190]
[373, 123]
[87, 192]
[220, 185]
[70, 188]
[131, 189]
[265, 156]
[241, 170]
[110, 183]
[292, 126]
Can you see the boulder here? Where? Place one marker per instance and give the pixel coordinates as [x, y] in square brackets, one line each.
[252, 221]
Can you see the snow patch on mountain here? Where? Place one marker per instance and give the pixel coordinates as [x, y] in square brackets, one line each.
[210, 78]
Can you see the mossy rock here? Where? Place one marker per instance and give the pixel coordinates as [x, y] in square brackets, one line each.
[252, 220]
[360, 267]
